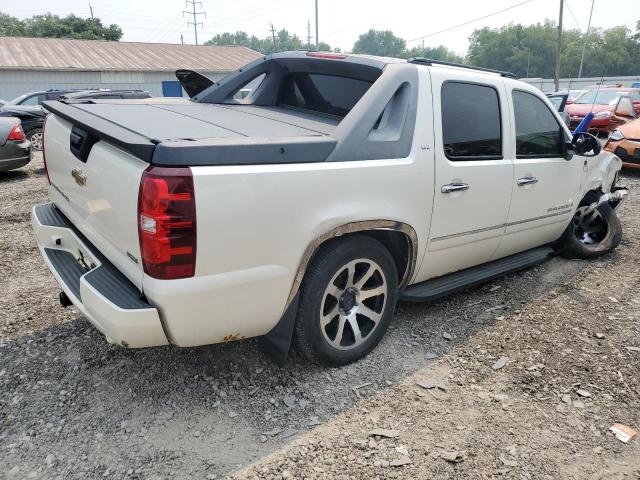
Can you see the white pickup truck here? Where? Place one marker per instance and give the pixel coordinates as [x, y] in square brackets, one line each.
[303, 211]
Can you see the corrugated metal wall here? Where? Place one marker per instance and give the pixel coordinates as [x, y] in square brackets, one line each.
[17, 82]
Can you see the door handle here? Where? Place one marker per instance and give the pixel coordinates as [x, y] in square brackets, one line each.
[454, 187]
[527, 181]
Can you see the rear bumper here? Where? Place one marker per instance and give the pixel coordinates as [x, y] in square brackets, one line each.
[14, 155]
[101, 293]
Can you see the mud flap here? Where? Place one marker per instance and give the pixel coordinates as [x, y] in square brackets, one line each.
[277, 342]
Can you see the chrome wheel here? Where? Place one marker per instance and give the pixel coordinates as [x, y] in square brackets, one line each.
[590, 228]
[36, 141]
[353, 303]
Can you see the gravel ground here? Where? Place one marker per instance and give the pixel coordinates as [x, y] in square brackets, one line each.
[74, 407]
[530, 397]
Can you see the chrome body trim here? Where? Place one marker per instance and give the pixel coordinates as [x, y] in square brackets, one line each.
[504, 225]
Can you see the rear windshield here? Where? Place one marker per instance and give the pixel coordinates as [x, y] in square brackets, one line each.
[603, 97]
[326, 94]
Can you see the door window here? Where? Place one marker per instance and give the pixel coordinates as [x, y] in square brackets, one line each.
[538, 133]
[471, 127]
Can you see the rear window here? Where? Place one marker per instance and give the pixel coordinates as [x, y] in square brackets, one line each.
[327, 94]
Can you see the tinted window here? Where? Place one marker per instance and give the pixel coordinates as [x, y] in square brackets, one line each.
[538, 134]
[329, 94]
[471, 122]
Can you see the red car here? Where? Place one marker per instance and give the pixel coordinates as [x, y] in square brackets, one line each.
[611, 106]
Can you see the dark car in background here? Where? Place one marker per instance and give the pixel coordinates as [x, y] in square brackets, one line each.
[15, 149]
[29, 110]
[35, 99]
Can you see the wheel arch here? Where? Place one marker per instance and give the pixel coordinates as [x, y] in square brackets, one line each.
[399, 238]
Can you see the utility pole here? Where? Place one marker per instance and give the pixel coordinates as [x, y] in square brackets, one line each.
[194, 14]
[308, 34]
[181, 39]
[91, 10]
[273, 36]
[316, 24]
[528, 62]
[586, 41]
[556, 78]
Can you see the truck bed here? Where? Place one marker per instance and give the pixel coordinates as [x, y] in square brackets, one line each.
[188, 133]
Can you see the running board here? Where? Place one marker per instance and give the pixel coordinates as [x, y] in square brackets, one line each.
[455, 282]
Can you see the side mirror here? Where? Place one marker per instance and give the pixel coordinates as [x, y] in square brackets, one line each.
[585, 144]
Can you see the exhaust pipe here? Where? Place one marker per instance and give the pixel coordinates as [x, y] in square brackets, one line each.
[65, 301]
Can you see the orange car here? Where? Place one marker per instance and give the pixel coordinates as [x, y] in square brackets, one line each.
[624, 141]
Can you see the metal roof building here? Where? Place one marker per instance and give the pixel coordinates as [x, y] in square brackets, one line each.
[32, 64]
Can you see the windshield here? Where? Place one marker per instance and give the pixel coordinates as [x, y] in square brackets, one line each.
[602, 97]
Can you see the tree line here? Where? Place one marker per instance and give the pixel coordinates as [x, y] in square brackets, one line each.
[54, 26]
[525, 50]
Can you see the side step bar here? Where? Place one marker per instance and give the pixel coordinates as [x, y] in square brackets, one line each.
[455, 282]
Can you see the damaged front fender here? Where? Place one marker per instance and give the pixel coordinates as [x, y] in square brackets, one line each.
[600, 173]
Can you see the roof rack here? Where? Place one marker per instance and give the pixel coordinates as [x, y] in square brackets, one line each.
[428, 61]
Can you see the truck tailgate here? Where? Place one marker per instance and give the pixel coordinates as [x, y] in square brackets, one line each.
[99, 196]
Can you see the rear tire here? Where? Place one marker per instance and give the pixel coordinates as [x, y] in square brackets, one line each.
[347, 301]
[35, 137]
[591, 235]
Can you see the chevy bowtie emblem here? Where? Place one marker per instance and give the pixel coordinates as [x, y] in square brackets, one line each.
[79, 176]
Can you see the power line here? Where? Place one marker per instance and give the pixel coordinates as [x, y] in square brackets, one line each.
[471, 21]
[575, 20]
[195, 14]
[586, 40]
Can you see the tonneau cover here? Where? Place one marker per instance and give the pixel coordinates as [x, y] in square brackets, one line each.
[188, 133]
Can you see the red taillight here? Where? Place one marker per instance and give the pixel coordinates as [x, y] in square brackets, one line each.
[167, 222]
[44, 155]
[16, 134]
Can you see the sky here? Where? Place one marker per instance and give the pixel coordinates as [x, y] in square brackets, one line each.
[340, 21]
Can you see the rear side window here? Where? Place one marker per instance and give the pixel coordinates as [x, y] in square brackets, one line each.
[327, 94]
[33, 100]
[471, 127]
[538, 133]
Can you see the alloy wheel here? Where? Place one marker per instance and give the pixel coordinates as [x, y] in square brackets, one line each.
[353, 304]
[590, 228]
[36, 141]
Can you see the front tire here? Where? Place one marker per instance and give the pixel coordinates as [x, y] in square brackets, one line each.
[591, 234]
[347, 301]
